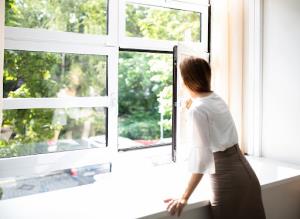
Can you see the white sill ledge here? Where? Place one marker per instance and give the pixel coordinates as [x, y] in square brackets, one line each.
[132, 195]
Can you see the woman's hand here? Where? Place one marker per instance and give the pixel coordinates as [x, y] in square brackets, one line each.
[175, 206]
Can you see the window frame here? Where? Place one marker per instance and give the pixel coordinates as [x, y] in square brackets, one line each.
[137, 43]
[20, 34]
[17, 38]
[43, 40]
[179, 149]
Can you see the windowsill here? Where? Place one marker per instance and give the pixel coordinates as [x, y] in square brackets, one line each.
[127, 193]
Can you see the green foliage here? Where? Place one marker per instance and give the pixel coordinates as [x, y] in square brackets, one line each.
[139, 125]
[26, 74]
[82, 16]
[161, 23]
[145, 79]
[41, 74]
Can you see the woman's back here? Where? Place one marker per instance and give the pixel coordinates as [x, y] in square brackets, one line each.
[222, 131]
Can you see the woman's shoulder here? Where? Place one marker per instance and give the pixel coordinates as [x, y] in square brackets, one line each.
[213, 105]
[199, 110]
[204, 103]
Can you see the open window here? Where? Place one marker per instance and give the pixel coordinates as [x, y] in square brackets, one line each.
[180, 112]
[116, 50]
[177, 21]
[148, 31]
[145, 100]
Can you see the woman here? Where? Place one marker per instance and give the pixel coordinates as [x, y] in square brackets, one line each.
[214, 151]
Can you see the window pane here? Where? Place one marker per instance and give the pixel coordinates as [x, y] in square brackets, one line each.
[38, 131]
[162, 23]
[80, 16]
[145, 99]
[44, 74]
[20, 186]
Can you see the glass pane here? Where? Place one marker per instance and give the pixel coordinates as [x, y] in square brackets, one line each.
[39, 131]
[145, 99]
[44, 74]
[162, 23]
[80, 16]
[20, 186]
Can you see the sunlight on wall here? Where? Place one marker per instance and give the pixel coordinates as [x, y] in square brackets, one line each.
[227, 54]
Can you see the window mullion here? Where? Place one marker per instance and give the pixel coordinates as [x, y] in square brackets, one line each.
[113, 100]
[52, 46]
[43, 35]
[155, 45]
[46, 163]
[113, 23]
[52, 103]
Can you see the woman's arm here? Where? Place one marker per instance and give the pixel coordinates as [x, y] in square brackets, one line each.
[175, 206]
[193, 182]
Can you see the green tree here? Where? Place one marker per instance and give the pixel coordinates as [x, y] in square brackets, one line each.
[81, 16]
[43, 74]
[161, 23]
[35, 74]
[143, 78]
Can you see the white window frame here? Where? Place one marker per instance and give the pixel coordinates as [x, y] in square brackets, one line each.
[161, 45]
[19, 34]
[27, 39]
[149, 45]
[65, 42]
[181, 122]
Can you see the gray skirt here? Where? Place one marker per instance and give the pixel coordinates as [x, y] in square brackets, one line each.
[236, 189]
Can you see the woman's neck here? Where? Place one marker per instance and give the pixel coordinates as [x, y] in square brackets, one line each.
[199, 94]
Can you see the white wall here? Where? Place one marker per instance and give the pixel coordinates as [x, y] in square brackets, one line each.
[282, 201]
[281, 80]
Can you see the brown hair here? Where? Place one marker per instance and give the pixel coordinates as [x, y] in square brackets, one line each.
[196, 74]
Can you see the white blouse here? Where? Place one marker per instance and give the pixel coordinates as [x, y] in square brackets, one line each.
[211, 129]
